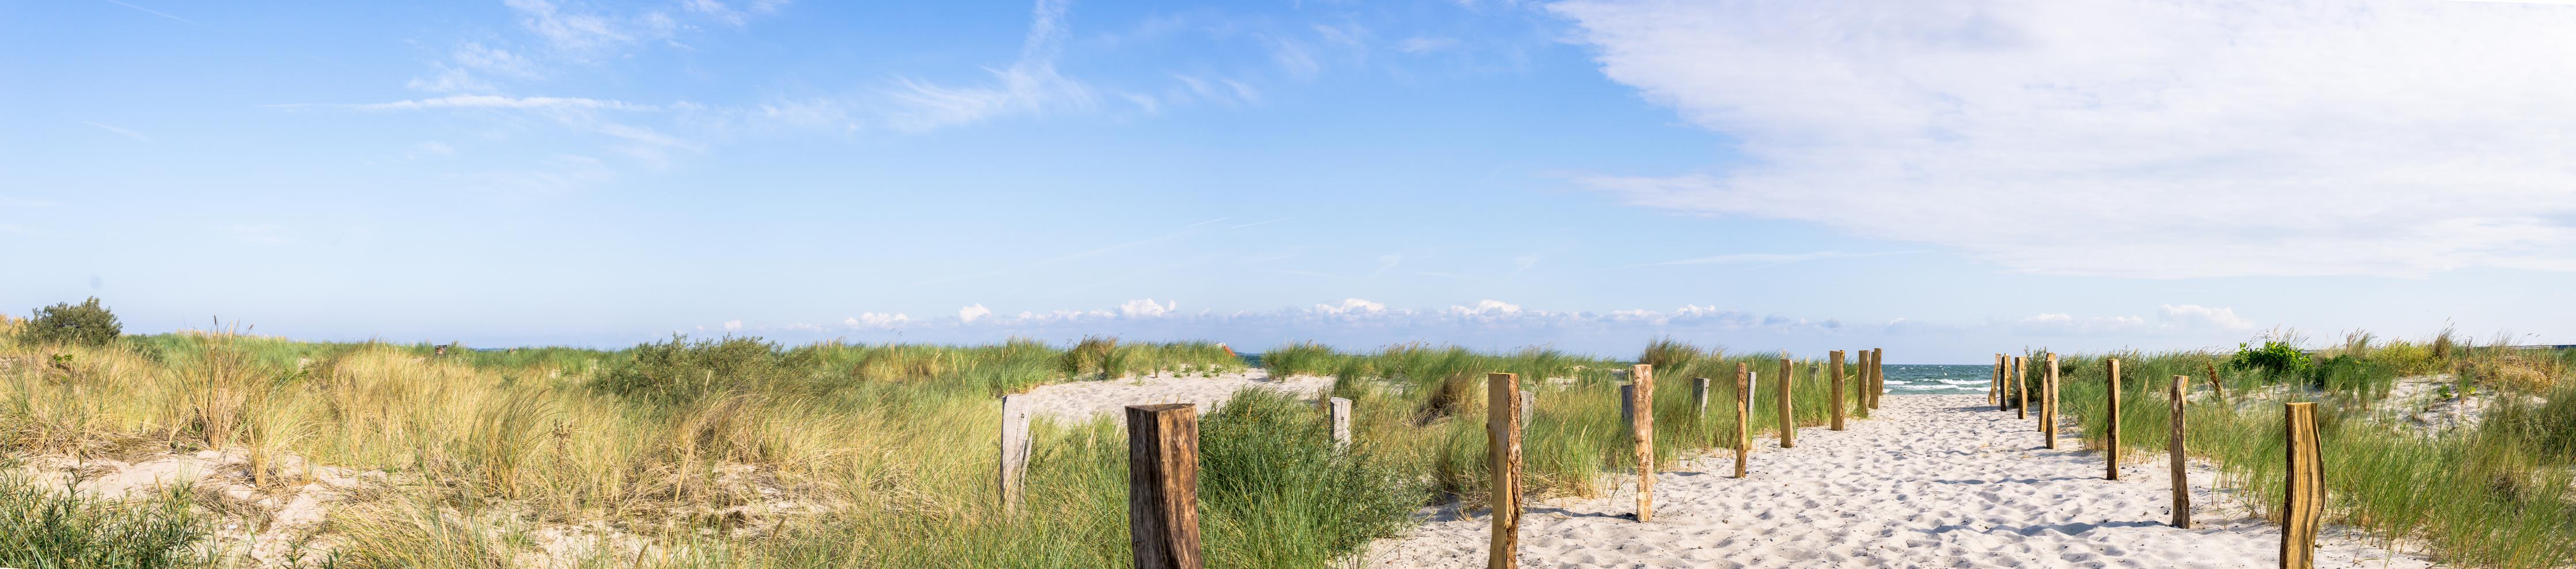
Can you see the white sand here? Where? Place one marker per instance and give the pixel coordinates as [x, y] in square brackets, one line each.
[1081, 400]
[1933, 481]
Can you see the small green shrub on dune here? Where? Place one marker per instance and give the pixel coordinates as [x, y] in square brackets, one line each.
[48, 528]
[1278, 494]
[87, 324]
[2276, 358]
[1095, 357]
[1303, 358]
[680, 371]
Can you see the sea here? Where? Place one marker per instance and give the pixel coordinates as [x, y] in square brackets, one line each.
[1911, 379]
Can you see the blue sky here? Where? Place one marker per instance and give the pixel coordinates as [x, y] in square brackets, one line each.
[1943, 180]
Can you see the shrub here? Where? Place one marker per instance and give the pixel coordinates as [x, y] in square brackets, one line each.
[41, 527]
[680, 371]
[2275, 358]
[86, 324]
[1096, 356]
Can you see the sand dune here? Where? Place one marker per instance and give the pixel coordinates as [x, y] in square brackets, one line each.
[1934, 481]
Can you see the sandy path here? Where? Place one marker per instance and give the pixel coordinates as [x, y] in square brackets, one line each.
[1934, 481]
[1081, 400]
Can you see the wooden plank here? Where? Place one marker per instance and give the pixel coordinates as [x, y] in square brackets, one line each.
[1338, 410]
[1834, 369]
[1995, 385]
[1642, 429]
[1788, 410]
[1627, 404]
[1743, 415]
[1878, 376]
[2181, 482]
[1163, 485]
[1503, 463]
[2112, 450]
[2304, 489]
[1015, 450]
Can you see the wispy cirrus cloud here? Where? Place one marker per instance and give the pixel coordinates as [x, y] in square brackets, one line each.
[486, 102]
[1770, 258]
[1029, 85]
[120, 131]
[2129, 138]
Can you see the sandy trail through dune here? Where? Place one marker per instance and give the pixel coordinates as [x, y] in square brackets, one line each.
[1933, 481]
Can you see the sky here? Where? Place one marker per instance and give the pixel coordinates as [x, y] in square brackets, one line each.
[1945, 180]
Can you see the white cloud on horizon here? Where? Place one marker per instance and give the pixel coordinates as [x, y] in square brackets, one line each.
[2132, 138]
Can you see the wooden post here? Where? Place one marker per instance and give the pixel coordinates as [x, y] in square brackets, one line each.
[2048, 403]
[1503, 462]
[2305, 487]
[1627, 404]
[2112, 451]
[1163, 485]
[1642, 428]
[1743, 415]
[1339, 411]
[1878, 376]
[2217, 389]
[2021, 389]
[1995, 385]
[1699, 396]
[1788, 415]
[1015, 450]
[1834, 368]
[2181, 482]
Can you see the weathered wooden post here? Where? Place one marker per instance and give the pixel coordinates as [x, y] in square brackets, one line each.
[1642, 429]
[1699, 396]
[1503, 461]
[2216, 389]
[2112, 451]
[2048, 403]
[1995, 385]
[1878, 375]
[2181, 481]
[1834, 368]
[1339, 411]
[1163, 485]
[1015, 450]
[2021, 389]
[1788, 415]
[1627, 403]
[1743, 415]
[2305, 487]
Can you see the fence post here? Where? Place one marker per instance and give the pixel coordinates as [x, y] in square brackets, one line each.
[2305, 487]
[2217, 389]
[1995, 385]
[1699, 396]
[2181, 482]
[1340, 413]
[1878, 375]
[1642, 427]
[2048, 402]
[2021, 389]
[1743, 415]
[1503, 456]
[2113, 451]
[1163, 485]
[1015, 450]
[1788, 415]
[1627, 403]
[1834, 368]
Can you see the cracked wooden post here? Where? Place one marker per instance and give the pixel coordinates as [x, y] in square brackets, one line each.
[1642, 429]
[2112, 450]
[1339, 411]
[2181, 482]
[1163, 485]
[1834, 368]
[1015, 450]
[2048, 403]
[1788, 410]
[1743, 415]
[2021, 390]
[1503, 465]
[2304, 489]
[1877, 375]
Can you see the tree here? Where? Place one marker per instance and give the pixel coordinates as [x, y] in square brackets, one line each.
[86, 323]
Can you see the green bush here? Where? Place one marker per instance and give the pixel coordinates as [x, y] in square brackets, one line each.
[2276, 358]
[86, 324]
[680, 371]
[1096, 356]
[41, 527]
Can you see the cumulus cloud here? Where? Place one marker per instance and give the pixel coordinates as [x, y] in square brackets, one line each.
[733, 325]
[2186, 319]
[2129, 138]
[876, 320]
[969, 314]
[1146, 308]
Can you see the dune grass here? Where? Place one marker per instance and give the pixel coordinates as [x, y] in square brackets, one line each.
[2497, 495]
[51, 528]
